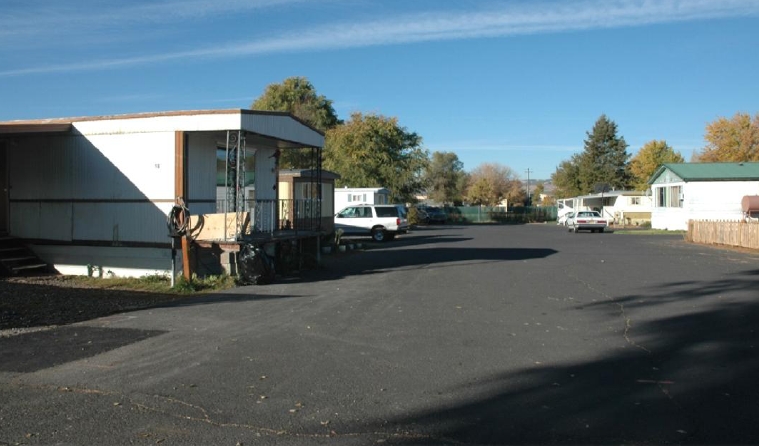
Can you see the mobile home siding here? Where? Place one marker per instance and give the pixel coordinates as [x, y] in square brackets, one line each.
[65, 178]
[702, 200]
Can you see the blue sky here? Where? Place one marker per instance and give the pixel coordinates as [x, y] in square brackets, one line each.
[513, 82]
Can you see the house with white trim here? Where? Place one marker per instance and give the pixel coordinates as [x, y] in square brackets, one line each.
[700, 191]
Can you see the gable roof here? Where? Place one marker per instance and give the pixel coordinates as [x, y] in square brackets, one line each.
[710, 171]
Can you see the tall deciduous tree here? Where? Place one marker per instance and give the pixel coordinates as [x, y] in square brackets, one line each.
[443, 177]
[298, 96]
[375, 151]
[603, 164]
[491, 183]
[566, 178]
[731, 140]
[652, 155]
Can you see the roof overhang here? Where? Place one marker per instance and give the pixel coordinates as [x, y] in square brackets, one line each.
[276, 129]
[31, 128]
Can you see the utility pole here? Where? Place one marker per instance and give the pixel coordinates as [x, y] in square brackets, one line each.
[529, 201]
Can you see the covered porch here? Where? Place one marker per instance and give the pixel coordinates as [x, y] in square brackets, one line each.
[97, 193]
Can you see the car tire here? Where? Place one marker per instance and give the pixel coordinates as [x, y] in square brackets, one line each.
[378, 235]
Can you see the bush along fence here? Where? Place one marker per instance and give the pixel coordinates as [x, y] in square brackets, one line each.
[744, 234]
[483, 214]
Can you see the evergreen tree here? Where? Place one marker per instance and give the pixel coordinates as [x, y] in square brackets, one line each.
[603, 164]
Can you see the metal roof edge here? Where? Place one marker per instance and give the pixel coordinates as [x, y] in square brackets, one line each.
[141, 115]
[677, 169]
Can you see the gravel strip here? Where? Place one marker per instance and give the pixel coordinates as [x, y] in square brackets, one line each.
[39, 303]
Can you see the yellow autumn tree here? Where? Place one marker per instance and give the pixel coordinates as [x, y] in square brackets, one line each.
[490, 183]
[731, 140]
[652, 155]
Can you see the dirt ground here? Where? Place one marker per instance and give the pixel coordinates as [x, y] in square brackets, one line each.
[37, 303]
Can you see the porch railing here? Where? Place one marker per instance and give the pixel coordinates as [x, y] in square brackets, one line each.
[268, 216]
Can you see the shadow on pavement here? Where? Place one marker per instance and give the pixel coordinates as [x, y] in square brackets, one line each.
[684, 379]
[49, 348]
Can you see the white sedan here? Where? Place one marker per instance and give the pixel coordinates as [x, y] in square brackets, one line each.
[587, 221]
[565, 219]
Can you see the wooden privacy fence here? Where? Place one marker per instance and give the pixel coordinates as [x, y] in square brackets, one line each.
[744, 234]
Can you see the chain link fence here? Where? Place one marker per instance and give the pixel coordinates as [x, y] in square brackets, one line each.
[485, 214]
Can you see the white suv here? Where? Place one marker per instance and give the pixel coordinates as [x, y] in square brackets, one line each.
[381, 221]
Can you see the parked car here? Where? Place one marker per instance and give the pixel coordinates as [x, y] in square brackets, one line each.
[565, 218]
[434, 214]
[587, 221]
[380, 221]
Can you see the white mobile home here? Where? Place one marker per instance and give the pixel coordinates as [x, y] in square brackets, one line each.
[364, 195]
[700, 191]
[622, 207]
[95, 192]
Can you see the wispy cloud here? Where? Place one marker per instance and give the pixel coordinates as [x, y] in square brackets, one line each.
[515, 19]
[58, 18]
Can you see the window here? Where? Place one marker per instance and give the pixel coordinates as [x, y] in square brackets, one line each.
[635, 200]
[307, 190]
[387, 211]
[661, 197]
[669, 197]
[222, 178]
[351, 213]
[675, 197]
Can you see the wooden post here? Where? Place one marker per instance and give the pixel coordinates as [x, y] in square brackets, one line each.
[186, 266]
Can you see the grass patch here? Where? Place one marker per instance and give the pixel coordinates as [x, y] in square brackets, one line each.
[156, 283]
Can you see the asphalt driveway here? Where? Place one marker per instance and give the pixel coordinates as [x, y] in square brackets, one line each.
[449, 335]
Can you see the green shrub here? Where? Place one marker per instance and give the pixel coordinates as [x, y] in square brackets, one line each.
[413, 216]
